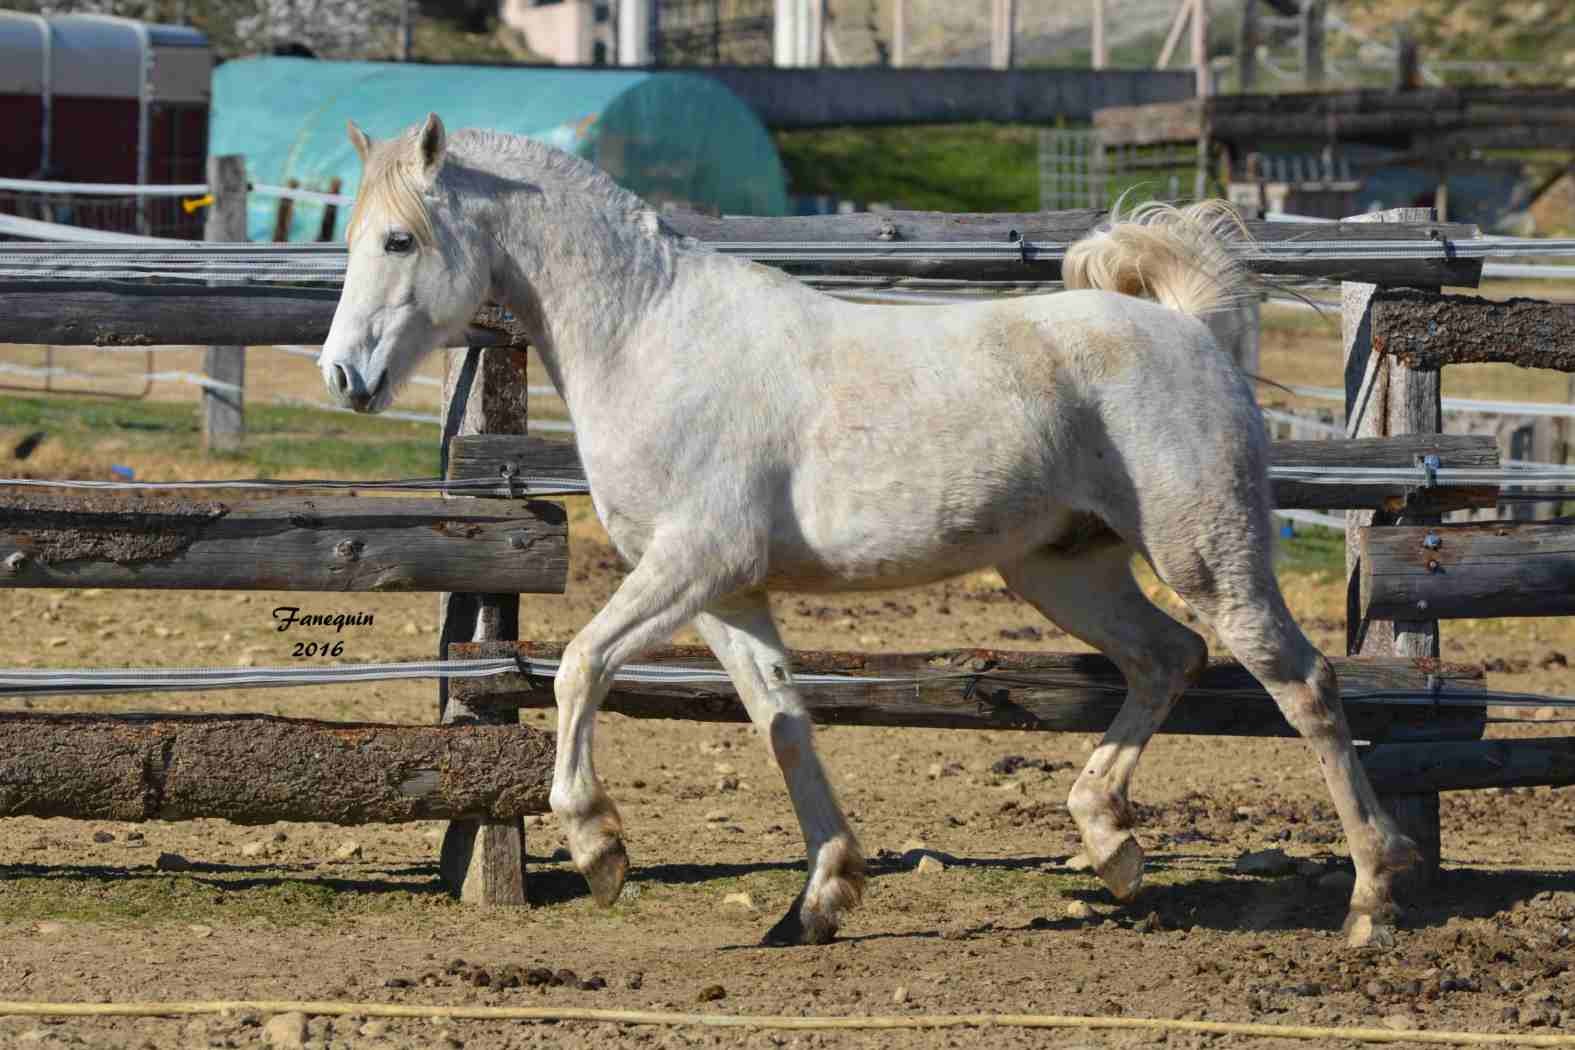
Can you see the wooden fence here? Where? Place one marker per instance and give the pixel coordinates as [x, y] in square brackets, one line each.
[482, 769]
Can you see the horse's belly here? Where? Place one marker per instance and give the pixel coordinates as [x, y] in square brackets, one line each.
[861, 541]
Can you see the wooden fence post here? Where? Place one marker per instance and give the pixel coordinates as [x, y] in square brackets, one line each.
[484, 392]
[223, 409]
[1384, 398]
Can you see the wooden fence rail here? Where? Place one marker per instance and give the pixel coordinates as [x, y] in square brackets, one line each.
[496, 457]
[255, 769]
[334, 544]
[1427, 331]
[1451, 572]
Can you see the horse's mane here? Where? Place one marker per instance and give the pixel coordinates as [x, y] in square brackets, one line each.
[391, 181]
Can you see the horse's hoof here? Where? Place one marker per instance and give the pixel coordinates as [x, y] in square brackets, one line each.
[605, 872]
[1122, 871]
[792, 929]
[1366, 931]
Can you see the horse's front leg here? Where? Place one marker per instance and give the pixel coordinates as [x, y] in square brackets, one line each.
[663, 592]
[744, 638]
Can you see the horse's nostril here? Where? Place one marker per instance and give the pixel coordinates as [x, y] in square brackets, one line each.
[341, 380]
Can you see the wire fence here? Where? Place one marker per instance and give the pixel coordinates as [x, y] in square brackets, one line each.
[95, 681]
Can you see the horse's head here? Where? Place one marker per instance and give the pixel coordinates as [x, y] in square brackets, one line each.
[416, 272]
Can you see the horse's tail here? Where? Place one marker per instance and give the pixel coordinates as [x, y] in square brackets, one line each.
[1181, 257]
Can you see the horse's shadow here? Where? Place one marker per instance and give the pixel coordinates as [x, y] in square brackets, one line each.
[1197, 899]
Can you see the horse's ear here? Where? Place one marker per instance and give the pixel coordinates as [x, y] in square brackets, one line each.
[432, 141]
[358, 139]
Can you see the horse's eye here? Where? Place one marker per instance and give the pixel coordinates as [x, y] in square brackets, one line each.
[398, 243]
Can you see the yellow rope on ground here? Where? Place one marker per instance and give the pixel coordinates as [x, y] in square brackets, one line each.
[673, 1018]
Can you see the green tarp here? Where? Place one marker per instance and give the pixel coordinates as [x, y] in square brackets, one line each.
[670, 137]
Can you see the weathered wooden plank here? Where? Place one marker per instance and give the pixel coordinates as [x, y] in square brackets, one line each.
[500, 456]
[484, 392]
[1428, 331]
[989, 689]
[488, 456]
[1453, 450]
[1037, 226]
[316, 544]
[1477, 570]
[123, 313]
[255, 769]
[1458, 765]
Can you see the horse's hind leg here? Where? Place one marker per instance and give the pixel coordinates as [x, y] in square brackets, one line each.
[744, 638]
[1227, 575]
[1091, 593]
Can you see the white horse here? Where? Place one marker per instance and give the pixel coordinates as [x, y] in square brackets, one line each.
[742, 432]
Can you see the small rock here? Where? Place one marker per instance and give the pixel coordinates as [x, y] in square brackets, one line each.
[724, 769]
[287, 1031]
[199, 930]
[933, 771]
[718, 816]
[1150, 924]
[1341, 882]
[48, 929]
[727, 784]
[711, 993]
[373, 1029]
[1265, 862]
[172, 862]
[103, 836]
[1078, 862]
[929, 864]
[256, 849]
[900, 995]
[1398, 1022]
[410, 630]
[280, 837]
[634, 981]
[594, 983]
[1082, 911]
[348, 851]
[57, 642]
[397, 982]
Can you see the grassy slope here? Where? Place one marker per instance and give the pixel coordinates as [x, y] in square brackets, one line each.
[949, 167]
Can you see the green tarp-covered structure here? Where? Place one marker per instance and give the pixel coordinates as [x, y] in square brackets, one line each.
[669, 137]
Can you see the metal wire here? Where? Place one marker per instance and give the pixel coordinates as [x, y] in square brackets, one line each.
[201, 260]
[515, 485]
[59, 681]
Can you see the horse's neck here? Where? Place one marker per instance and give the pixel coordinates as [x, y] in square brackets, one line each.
[582, 281]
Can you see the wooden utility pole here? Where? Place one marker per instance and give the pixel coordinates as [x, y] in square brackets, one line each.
[1312, 43]
[1003, 15]
[483, 861]
[1384, 398]
[1099, 55]
[1200, 47]
[223, 407]
[1247, 46]
[899, 34]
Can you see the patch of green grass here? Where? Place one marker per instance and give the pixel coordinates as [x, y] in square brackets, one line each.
[946, 167]
[158, 899]
[1314, 550]
[279, 439]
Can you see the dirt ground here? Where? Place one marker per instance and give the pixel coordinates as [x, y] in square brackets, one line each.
[208, 910]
